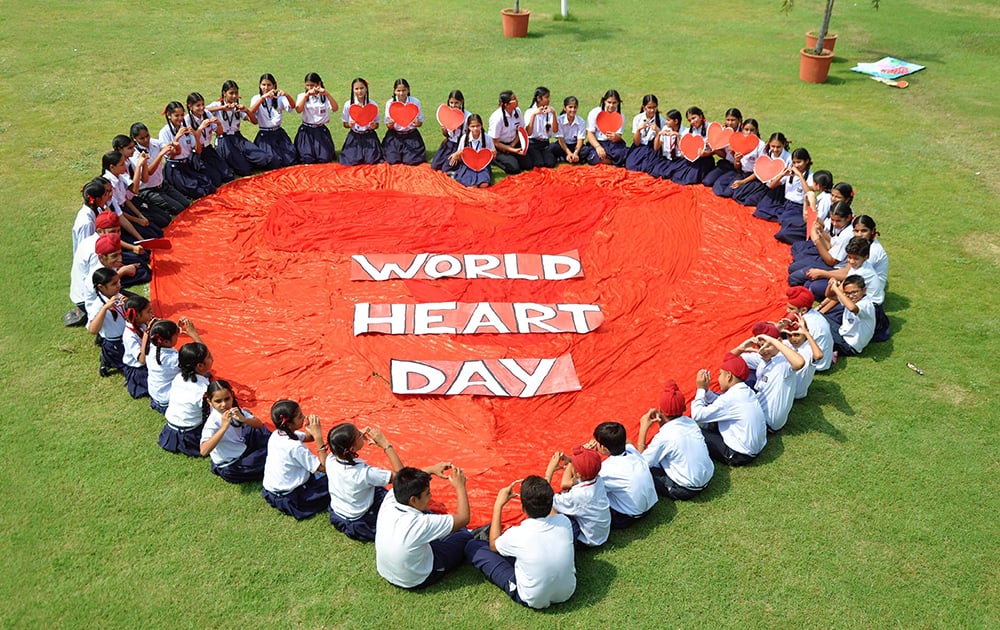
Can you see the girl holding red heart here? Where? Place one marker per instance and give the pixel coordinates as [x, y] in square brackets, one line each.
[749, 192]
[687, 172]
[313, 140]
[442, 158]
[796, 178]
[361, 119]
[726, 165]
[743, 159]
[505, 125]
[606, 144]
[403, 143]
[471, 171]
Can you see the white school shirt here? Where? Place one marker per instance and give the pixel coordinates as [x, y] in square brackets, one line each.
[352, 486]
[793, 188]
[750, 159]
[537, 130]
[819, 328]
[205, 135]
[118, 190]
[234, 441]
[775, 387]
[592, 124]
[81, 271]
[822, 205]
[316, 110]
[114, 320]
[874, 284]
[879, 260]
[269, 114]
[229, 119]
[403, 535]
[289, 463]
[186, 143]
[505, 133]
[419, 118]
[155, 178]
[857, 329]
[161, 373]
[483, 141]
[804, 376]
[648, 134]
[587, 502]
[679, 449]
[346, 117]
[668, 144]
[83, 226]
[839, 241]
[570, 131]
[132, 341]
[544, 559]
[628, 482]
[184, 407]
[739, 416]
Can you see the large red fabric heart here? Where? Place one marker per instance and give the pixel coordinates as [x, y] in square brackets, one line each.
[691, 146]
[403, 114]
[767, 168]
[263, 268]
[476, 160]
[719, 136]
[450, 118]
[610, 123]
[743, 144]
[363, 115]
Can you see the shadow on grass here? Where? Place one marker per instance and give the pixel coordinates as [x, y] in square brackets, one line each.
[719, 485]
[807, 416]
[593, 581]
[775, 448]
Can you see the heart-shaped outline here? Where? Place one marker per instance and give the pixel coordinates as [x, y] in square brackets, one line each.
[767, 168]
[450, 118]
[522, 133]
[719, 136]
[744, 143]
[475, 159]
[363, 115]
[610, 123]
[691, 145]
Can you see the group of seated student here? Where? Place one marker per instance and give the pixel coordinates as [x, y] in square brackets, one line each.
[834, 308]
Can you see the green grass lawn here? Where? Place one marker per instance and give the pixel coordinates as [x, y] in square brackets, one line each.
[876, 507]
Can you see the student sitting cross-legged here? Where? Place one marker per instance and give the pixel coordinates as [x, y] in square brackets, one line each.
[583, 499]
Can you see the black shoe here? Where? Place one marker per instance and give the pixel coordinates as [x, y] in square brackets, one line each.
[481, 533]
[106, 371]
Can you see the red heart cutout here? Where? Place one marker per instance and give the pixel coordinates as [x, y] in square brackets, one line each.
[522, 133]
[810, 221]
[263, 267]
[477, 160]
[719, 136]
[363, 115]
[610, 123]
[403, 114]
[691, 146]
[767, 168]
[450, 118]
[743, 143]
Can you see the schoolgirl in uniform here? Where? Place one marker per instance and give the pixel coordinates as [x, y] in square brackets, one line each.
[668, 157]
[239, 153]
[864, 227]
[267, 108]
[793, 225]
[728, 183]
[232, 436]
[136, 227]
[542, 123]
[291, 483]
[162, 364]
[476, 139]
[645, 127]
[105, 318]
[96, 195]
[754, 191]
[687, 172]
[442, 158]
[793, 193]
[138, 312]
[131, 179]
[727, 161]
[313, 141]
[403, 145]
[827, 249]
[182, 432]
[503, 126]
[606, 149]
[154, 191]
[571, 136]
[180, 170]
[361, 145]
[357, 489]
[205, 125]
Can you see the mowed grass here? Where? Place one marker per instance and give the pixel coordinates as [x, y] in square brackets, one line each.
[876, 507]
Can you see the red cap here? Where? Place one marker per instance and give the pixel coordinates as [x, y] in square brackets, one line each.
[766, 328]
[107, 220]
[108, 244]
[800, 297]
[587, 462]
[672, 401]
[736, 366]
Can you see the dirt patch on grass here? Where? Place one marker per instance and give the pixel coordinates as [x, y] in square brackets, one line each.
[983, 245]
[951, 393]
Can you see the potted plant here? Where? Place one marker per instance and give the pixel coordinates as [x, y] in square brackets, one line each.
[815, 58]
[515, 21]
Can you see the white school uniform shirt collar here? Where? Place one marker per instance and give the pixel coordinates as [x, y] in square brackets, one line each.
[420, 113]
[570, 131]
[233, 443]
[403, 534]
[154, 179]
[679, 449]
[269, 114]
[505, 133]
[186, 143]
[647, 135]
[793, 187]
[205, 134]
[544, 559]
[592, 124]
[289, 463]
[587, 503]
[352, 486]
[346, 116]
[184, 405]
[113, 326]
[484, 141]
[316, 110]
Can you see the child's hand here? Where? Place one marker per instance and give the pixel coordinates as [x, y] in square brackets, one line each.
[186, 325]
[439, 469]
[557, 460]
[814, 274]
[127, 270]
[374, 436]
[457, 477]
[314, 428]
[647, 418]
[592, 445]
[507, 493]
[703, 379]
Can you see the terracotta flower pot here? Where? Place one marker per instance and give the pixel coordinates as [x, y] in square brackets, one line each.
[515, 24]
[814, 68]
[828, 42]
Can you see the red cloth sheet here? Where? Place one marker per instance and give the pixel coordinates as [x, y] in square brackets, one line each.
[263, 268]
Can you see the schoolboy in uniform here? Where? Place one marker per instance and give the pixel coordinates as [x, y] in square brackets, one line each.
[800, 302]
[414, 549]
[858, 324]
[776, 366]
[584, 499]
[801, 340]
[677, 455]
[533, 563]
[87, 259]
[732, 422]
[631, 493]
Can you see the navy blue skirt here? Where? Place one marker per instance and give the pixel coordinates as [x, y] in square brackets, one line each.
[135, 380]
[468, 177]
[242, 155]
[750, 193]
[404, 148]
[282, 150]
[215, 167]
[689, 173]
[363, 527]
[641, 158]
[315, 144]
[440, 162]
[772, 204]
[793, 226]
[361, 148]
[663, 168]
[617, 153]
[187, 441]
[722, 167]
[307, 500]
[723, 185]
[112, 352]
[185, 178]
[250, 465]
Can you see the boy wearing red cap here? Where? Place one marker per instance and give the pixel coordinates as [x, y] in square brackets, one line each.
[800, 302]
[732, 422]
[801, 340]
[584, 499]
[776, 366]
[87, 259]
[677, 455]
